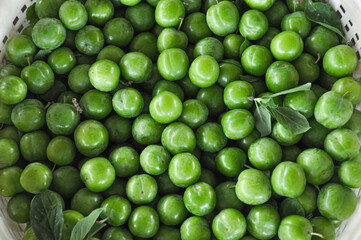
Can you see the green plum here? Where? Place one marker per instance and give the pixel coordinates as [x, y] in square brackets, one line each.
[256, 60]
[263, 221]
[39, 77]
[347, 174]
[178, 137]
[169, 13]
[287, 46]
[89, 40]
[230, 161]
[9, 153]
[78, 79]
[281, 76]
[339, 61]
[136, 67]
[67, 181]
[62, 118]
[173, 64]
[104, 75]
[297, 22]
[48, 33]
[98, 174]
[165, 108]
[349, 88]
[12, 90]
[171, 210]
[210, 137]
[253, 187]
[236, 95]
[288, 179]
[171, 38]
[195, 27]
[223, 18]
[143, 222]
[10, 181]
[29, 115]
[284, 136]
[141, 189]
[342, 144]
[146, 130]
[96, 104]
[117, 209]
[229, 224]
[47, 8]
[336, 201]
[320, 40]
[99, 11]
[237, 123]
[85, 201]
[184, 169]
[61, 150]
[213, 98]
[125, 161]
[73, 15]
[332, 110]
[36, 177]
[204, 71]
[261, 5]
[200, 199]
[33, 146]
[253, 24]
[20, 50]
[295, 227]
[91, 138]
[260, 156]
[141, 16]
[195, 228]
[317, 164]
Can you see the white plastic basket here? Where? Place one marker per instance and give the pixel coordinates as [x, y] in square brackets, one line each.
[13, 20]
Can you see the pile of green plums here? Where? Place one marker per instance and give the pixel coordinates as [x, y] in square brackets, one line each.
[145, 108]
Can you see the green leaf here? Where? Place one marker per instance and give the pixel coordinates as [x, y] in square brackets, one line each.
[42, 54]
[85, 225]
[301, 88]
[94, 230]
[262, 119]
[46, 216]
[323, 14]
[267, 102]
[249, 78]
[291, 119]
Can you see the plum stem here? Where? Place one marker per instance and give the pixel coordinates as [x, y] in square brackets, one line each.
[231, 185]
[52, 170]
[180, 24]
[318, 235]
[127, 84]
[345, 94]
[104, 220]
[28, 60]
[251, 98]
[248, 166]
[318, 58]
[76, 104]
[48, 104]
